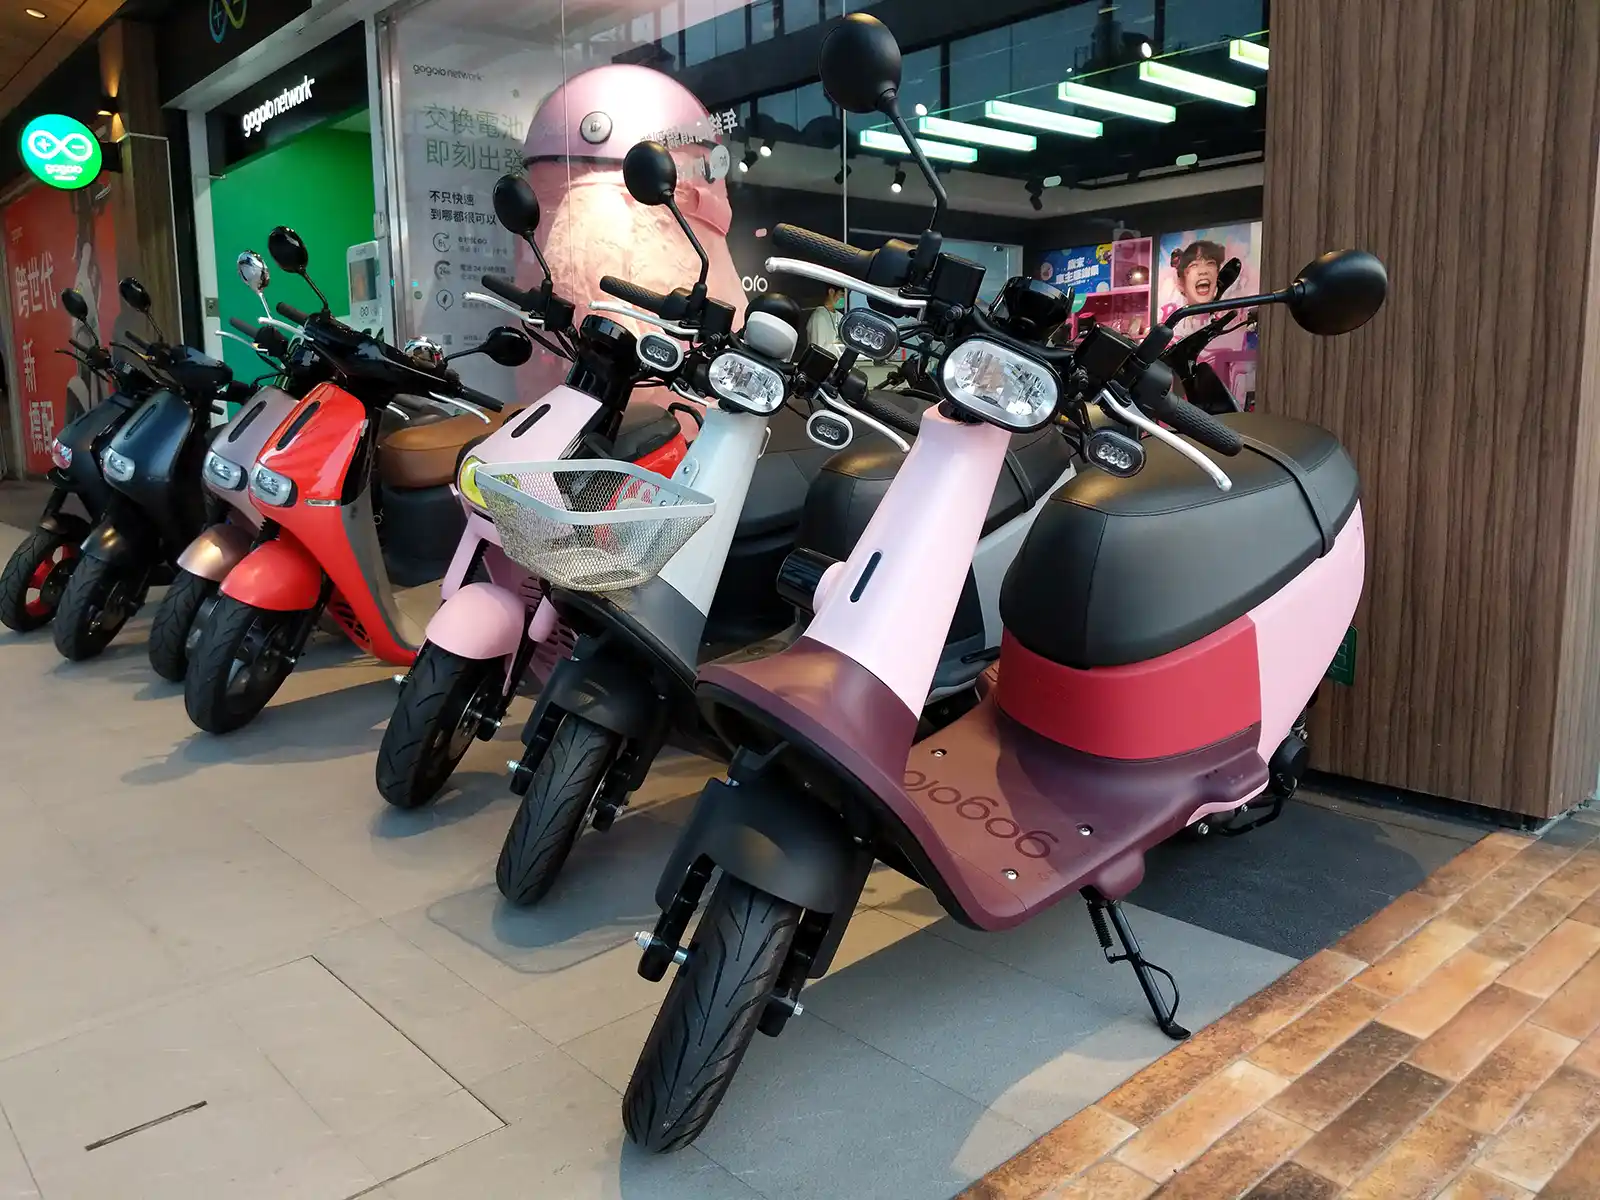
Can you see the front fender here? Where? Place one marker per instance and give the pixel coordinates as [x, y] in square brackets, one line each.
[215, 553]
[67, 526]
[120, 545]
[480, 621]
[280, 575]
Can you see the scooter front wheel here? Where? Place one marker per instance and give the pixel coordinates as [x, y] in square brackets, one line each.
[97, 602]
[441, 709]
[551, 814]
[244, 655]
[710, 1016]
[173, 627]
[34, 579]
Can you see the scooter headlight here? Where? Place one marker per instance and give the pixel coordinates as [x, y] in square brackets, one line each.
[999, 385]
[61, 454]
[467, 482]
[750, 385]
[222, 474]
[271, 488]
[118, 469]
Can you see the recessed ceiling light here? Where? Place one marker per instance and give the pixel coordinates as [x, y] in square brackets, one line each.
[891, 143]
[1041, 118]
[982, 135]
[1180, 80]
[34, 13]
[1251, 54]
[1127, 106]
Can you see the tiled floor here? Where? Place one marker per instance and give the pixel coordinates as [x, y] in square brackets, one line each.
[227, 970]
[1448, 1047]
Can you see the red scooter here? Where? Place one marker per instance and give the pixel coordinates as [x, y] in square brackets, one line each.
[318, 550]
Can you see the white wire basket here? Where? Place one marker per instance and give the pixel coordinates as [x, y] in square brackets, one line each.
[593, 525]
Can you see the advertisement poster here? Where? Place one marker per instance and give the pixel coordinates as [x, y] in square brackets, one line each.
[1189, 266]
[475, 107]
[56, 240]
[1110, 282]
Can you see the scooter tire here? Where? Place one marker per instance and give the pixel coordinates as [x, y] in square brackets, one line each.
[710, 1016]
[174, 622]
[207, 683]
[29, 569]
[82, 628]
[417, 757]
[551, 814]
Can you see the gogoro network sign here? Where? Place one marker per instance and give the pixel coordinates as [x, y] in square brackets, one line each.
[226, 13]
[61, 151]
[289, 98]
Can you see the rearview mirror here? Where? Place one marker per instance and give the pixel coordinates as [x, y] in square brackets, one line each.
[77, 307]
[253, 270]
[507, 346]
[1338, 292]
[134, 295]
[287, 250]
[650, 173]
[515, 205]
[860, 65]
[1228, 276]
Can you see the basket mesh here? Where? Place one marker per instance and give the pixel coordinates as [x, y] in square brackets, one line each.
[592, 528]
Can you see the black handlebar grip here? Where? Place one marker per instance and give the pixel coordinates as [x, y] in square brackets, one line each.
[822, 250]
[1200, 425]
[632, 293]
[290, 312]
[506, 290]
[245, 327]
[481, 399]
[889, 413]
[139, 343]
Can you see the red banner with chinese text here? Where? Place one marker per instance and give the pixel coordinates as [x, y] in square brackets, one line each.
[55, 240]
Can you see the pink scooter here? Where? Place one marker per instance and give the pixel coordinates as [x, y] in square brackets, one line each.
[1166, 624]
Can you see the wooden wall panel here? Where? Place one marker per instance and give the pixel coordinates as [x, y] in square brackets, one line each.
[1456, 139]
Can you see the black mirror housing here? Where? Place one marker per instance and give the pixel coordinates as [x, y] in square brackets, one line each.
[134, 295]
[507, 346]
[860, 65]
[515, 205]
[288, 251]
[77, 307]
[650, 174]
[1338, 292]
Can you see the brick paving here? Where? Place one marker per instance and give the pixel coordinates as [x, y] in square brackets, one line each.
[1449, 1047]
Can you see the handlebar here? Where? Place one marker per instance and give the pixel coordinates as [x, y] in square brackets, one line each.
[506, 290]
[250, 331]
[823, 250]
[1197, 423]
[632, 293]
[293, 313]
[889, 414]
[481, 399]
[139, 343]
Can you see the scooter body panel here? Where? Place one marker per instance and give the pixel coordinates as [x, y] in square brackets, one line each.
[280, 575]
[165, 442]
[241, 441]
[85, 437]
[217, 551]
[720, 464]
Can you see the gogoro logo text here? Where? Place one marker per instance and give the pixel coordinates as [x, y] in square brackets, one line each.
[277, 106]
[1035, 843]
[61, 151]
[225, 14]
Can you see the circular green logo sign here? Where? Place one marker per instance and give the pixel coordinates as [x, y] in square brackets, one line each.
[61, 151]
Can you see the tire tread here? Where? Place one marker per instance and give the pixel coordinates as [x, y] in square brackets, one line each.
[551, 814]
[19, 568]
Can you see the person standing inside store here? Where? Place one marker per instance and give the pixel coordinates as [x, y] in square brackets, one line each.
[822, 329]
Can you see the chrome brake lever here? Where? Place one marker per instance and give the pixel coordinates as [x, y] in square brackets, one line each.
[1132, 416]
[617, 308]
[833, 401]
[495, 302]
[462, 405]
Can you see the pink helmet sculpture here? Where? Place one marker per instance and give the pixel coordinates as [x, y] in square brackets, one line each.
[591, 226]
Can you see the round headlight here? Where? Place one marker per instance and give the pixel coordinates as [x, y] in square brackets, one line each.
[747, 383]
[467, 482]
[999, 385]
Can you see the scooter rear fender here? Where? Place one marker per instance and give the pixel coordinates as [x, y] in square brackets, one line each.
[280, 575]
[480, 621]
[215, 553]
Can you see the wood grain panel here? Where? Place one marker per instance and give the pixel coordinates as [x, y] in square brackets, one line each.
[1456, 139]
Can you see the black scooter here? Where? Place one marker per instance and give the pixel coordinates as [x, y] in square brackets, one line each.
[36, 575]
[155, 504]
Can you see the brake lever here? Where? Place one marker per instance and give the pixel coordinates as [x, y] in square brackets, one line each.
[832, 400]
[526, 318]
[1130, 414]
[463, 405]
[838, 279]
[617, 308]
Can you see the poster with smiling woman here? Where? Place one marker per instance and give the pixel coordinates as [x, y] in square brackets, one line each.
[1188, 266]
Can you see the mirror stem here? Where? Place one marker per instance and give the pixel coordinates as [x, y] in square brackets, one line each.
[312, 284]
[891, 108]
[705, 262]
[1196, 310]
[539, 258]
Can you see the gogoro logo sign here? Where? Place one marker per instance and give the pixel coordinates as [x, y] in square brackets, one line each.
[226, 14]
[289, 98]
[60, 151]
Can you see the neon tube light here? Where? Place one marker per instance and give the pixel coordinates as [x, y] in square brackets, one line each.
[1178, 80]
[893, 143]
[1116, 102]
[982, 135]
[1042, 118]
[1251, 54]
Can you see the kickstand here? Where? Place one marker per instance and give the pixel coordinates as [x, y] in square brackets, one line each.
[1099, 910]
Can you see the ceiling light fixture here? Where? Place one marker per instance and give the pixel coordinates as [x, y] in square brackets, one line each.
[1042, 118]
[1180, 80]
[766, 149]
[842, 174]
[1051, 181]
[982, 135]
[893, 143]
[34, 13]
[1035, 190]
[1116, 102]
[921, 110]
[1187, 160]
[1251, 54]
[749, 160]
[1146, 50]
[899, 183]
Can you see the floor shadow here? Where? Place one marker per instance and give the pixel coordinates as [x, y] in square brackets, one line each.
[466, 795]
